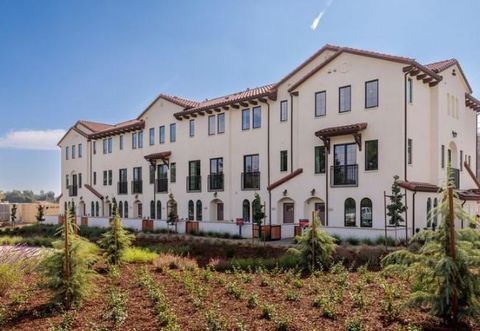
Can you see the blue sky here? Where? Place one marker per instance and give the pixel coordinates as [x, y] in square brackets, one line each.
[106, 60]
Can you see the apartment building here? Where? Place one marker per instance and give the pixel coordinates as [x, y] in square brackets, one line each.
[329, 137]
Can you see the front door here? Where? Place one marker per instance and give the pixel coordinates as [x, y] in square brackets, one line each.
[220, 211]
[288, 212]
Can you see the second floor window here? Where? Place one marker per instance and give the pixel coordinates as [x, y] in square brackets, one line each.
[409, 151]
[137, 174]
[194, 179]
[257, 117]
[151, 136]
[110, 145]
[105, 177]
[161, 134]
[173, 132]
[211, 125]
[121, 142]
[283, 111]
[442, 160]
[216, 166]
[371, 155]
[251, 163]
[319, 159]
[110, 177]
[283, 160]
[122, 175]
[80, 152]
[344, 99]
[371, 94]
[67, 152]
[105, 146]
[320, 104]
[245, 119]
[140, 139]
[73, 151]
[94, 178]
[409, 90]
[173, 172]
[134, 140]
[221, 123]
[192, 128]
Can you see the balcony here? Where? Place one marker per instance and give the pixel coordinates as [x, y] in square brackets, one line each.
[194, 183]
[455, 177]
[72, 191]
[344, 175]
[251, 180]
[215, 182]
[162, 185]
[137, 187]
[122, 187]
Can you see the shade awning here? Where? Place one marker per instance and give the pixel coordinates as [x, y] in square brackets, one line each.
[158, 156]
[419, 186]
[334, 131]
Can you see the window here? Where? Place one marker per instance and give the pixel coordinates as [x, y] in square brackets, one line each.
[137, 174]
[192, 128]
[152, 209]
[94, 147]
[442, 160]
[67, 182]
[80, 180]
[105, 146]
[257, 117]
[371, 155]
[469, 161]
[73, 152]
[134, 140]
[110, 177]
[110, 143]
[461, 160]
[410, 90]
[97, 209]
[221, 123]
[67, 152]
[199, 210]
[245, 119]
[140, 139]
[215, 179]
[105, 177]
[246, 211]
[159, 210]
[151, 136]
[173, 172]
[125, 209]
[283, 110]
[435, 215]
[429, 212]
[320, 103]
[345, 169]
[371, 94]
[350, 212]
[344, 99]
[120, 208]
[92, 209]
[283, 160]
[151, 174]
[194, 178]
[173, 132]
[211, 125]
[161, 134]
[251, 163]
[121, 142]
[94, 178]
[366, 213]
[409, 151]
[251, 172]
[191, 210]
[319, 159]
[79, 151]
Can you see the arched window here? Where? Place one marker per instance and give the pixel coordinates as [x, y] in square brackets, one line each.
[97, 209]
[429, 212]
[152, 209]
[125, 209]
[350, 212]
[120, 209]
[191, 211]
[159, 210]
[246, 210]
[199, 210]
[92, 209]
[435, 215]
[366, 213]
[110, 210]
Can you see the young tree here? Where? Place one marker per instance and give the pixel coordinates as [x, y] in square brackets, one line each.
[172, 210]
[13, 215]
[396, 208]
[40, 213]
[116, 240]
[315, 247]
[258, 213]
[68, 270]
[444, 270]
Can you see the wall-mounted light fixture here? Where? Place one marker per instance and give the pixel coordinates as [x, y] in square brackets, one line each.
[284, 192]
[312, 192]
[454, 134]
[215, 194]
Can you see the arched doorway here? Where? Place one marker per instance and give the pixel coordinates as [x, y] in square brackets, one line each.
[286, 211]
[216, 210]
[137, 209]
[315, 204]
[82, 208]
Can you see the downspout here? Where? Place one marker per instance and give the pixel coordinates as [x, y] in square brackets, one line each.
[405, 143]
[326, 185]
[291, 132]
[268, 165]
[91, 170]
[413, 213]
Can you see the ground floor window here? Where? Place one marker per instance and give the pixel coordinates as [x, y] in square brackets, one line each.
[350, 212]
[125, 209]
[429, 212]
[366, 213]
[199, 210]
[191, 210]
[152, 209]
[92, 208]
[159, 210]
[97, 209]
[120, 208]
[246, 210]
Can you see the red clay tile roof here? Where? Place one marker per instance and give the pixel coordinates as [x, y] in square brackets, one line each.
[122, 127]
[95, 126]
[284, 179]
[418, 186]
[441, 65]
[341, 130]
[180, 101]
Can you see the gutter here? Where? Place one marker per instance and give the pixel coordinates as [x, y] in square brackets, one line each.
[268, 164]
[291, 132]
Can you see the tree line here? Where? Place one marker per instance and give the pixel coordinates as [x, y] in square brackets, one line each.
[25, 196]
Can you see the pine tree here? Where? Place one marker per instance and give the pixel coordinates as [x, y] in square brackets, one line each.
[315, 247]
[445, 277]
[40, 213]
[396, 208]
[116, 240]
[68, 270]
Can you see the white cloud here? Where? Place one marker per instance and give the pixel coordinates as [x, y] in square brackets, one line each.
[32, 139]
[317, 19]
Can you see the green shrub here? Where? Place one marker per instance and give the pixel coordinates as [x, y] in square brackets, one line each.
[283, 324]
[268, 311]
[138, 255]
[28, 241]
[325, 305]
[116, 309]
[252, 301]
[354, 324]
[293, 296]
[287, 261]
[215, 321]
[9, 276]
[352, 241]
[367, 241]
[234, 290]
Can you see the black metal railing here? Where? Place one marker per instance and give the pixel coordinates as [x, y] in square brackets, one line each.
[344, 175]
[122, 187]
[72, 190]
[194, 183]
[137, 186]
[251, 180]
[162, 185]
[215, 182]
[455, 175]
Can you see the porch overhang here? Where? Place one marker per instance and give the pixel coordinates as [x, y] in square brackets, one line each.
[353, 129]
[469, 195]
[419, 186]
[163, 156]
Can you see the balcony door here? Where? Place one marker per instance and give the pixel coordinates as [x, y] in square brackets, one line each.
[345, 164]
[251, 172]
[194, 176]
[162, 181]
[215, 180]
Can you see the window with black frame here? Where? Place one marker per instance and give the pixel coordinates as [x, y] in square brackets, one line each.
[319, 159]
[251, 172]
[366, 213]
[350, 212]
[194, 178]
[162, 178]
[215, 179]
[344, 99]
[371, 155]
[371, 94]
[345, 168]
